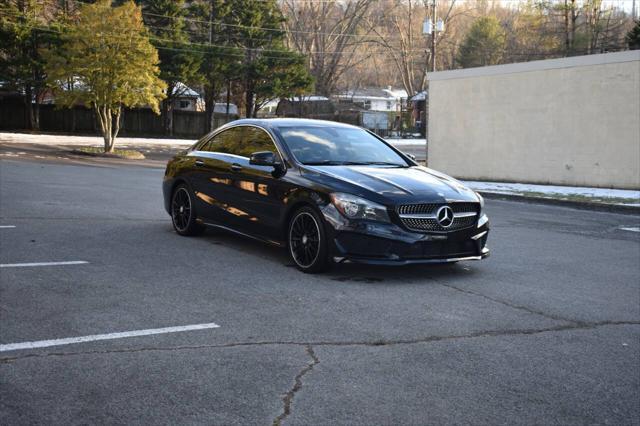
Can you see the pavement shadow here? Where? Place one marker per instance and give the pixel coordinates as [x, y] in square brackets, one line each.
[345, 273]
[401, 274]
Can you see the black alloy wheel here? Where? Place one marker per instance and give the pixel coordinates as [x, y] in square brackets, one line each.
[182, 212]
[307, 241]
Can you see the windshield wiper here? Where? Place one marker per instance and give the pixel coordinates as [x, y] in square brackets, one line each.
[380, 163]
[328, 163]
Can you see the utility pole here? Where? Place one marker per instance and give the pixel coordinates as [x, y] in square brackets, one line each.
[433, 39]
[431, 26]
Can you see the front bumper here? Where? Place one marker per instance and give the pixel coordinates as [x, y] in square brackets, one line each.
[391, 244]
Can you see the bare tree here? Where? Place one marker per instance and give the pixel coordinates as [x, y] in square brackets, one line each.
[397, 26]
[329, 33]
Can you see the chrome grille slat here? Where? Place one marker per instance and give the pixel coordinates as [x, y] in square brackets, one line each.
[424, 220]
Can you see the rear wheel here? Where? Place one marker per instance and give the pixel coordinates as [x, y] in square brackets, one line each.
[307, 241]
[183, 214]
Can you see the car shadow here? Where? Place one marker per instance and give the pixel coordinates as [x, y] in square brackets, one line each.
[373, 274]
[344, 272]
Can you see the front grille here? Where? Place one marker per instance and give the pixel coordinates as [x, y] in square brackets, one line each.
[431, 224]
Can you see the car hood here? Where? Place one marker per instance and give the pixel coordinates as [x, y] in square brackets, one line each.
[394, 184]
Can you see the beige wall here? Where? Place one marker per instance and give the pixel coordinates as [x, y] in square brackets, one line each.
[570, 121]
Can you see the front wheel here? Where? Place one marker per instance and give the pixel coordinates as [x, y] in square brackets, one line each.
[307, 241]
[183, 214]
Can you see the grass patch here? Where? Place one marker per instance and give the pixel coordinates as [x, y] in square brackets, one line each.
[94, 151]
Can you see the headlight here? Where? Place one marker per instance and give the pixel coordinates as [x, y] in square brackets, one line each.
[354, 207]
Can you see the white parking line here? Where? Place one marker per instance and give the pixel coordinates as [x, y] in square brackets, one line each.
[25, 265]
[7, 226]
[631, 229]
[109, 336]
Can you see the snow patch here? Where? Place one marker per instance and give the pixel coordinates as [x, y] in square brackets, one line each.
[7, 137]
[399, 141]
[552, 190]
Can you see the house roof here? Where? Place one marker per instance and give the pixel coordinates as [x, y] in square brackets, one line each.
[373, 93]
[421, 96]
[310, 98]
[184, 91]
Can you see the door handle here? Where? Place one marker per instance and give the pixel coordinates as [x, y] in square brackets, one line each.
[199, 163]
[236, 167]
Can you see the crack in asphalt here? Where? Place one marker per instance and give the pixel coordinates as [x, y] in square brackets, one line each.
[381, 342]
[287, 399]
[511, 305]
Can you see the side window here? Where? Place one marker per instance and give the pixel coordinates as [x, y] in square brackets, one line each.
[242, 141]
[226, 141]
[202, 144]
[255, 140]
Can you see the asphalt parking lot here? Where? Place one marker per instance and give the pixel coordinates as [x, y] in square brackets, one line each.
[545, 331]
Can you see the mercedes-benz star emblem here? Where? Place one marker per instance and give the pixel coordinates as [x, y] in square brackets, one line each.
[444, 215]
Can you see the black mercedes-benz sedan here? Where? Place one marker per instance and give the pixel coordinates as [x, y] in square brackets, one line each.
[327, 191]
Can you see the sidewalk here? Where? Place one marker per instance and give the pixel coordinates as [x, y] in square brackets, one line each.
[66, 140]
[610, 199]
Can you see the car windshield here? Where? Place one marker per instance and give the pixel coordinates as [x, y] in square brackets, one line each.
[338, 146]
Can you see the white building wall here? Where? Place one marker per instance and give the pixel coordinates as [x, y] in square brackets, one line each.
[570, 121]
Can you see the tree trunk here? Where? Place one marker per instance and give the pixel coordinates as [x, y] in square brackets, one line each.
[167, 114]
[116, 127]
[228, 101]
[566, 28]
[28, 107]
[248, 101]
[36, 115]
[574, 18]
[105, 115]
[209, 105]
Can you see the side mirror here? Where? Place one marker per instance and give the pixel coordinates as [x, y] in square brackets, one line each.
[264, 158]
[413, 157]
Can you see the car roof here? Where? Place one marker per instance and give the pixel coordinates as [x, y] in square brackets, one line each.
[290, 122]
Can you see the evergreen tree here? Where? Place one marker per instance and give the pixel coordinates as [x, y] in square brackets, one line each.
[633, 37]
[24, 34]
[268, 69]
[220, 56]
[484, 44]
[281, 75]
[179, 61]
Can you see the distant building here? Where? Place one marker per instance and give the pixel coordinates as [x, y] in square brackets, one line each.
[186, 99]
[322, 108]
[374, 99]
[269, 109]
[306, 106]
[419, 105]
[221, 108]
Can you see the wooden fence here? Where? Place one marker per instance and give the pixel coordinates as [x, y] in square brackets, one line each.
[80, 120]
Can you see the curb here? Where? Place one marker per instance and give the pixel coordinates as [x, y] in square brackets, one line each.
[609, 208]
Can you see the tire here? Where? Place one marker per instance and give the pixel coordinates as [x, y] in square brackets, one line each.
[307, 241]
[183, 214]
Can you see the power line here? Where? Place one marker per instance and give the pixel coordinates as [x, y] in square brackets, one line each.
[384, 50]
[258, 49]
